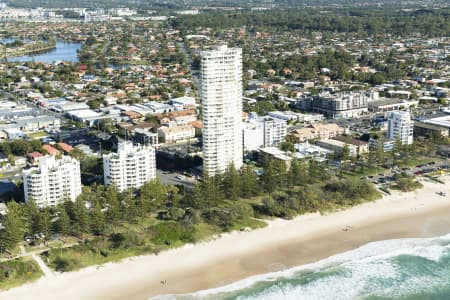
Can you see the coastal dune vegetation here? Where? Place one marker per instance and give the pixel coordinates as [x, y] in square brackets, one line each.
[111, 225]
[18, 271]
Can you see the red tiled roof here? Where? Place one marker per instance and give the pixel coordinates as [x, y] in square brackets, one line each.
[132, 114]
[65, 147]
[197, 124]
[34, 155]
[51, 150]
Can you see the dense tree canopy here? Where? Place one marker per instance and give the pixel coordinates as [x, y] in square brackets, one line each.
[369, 21]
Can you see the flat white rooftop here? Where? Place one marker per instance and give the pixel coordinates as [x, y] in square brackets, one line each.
[84, 113]
[440, 121]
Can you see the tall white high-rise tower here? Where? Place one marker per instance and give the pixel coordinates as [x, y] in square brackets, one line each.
[221, 95]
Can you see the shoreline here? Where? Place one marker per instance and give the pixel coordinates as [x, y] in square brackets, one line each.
[238, 255]
[32, 52]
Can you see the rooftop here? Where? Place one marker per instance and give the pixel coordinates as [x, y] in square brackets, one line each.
[84, 114]
[51, 150]
[65, 147]
[34, 155]
[441, 121]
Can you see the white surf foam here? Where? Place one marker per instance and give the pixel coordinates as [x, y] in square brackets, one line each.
[360, 265]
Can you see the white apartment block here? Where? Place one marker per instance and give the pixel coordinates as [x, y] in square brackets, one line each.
[263, 132]
[221, 96]
[130, 167]
[52, 181]
[275, 131]
[253, 136]
[400, 127]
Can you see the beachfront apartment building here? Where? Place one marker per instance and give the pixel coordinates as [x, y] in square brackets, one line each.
[130, 167]
[221, 98]
[400, 127]
[52, 181]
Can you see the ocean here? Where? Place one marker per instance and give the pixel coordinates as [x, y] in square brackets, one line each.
[406, 269]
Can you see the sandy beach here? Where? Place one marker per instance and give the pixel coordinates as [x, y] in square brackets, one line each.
[238, 255]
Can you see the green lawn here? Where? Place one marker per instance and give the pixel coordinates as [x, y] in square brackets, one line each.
[366, 172]
[37, 135]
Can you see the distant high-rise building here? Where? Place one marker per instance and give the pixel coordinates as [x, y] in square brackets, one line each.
[221, 95]
[400, 127]
[275, 131]
[53, 181]
[130, 167]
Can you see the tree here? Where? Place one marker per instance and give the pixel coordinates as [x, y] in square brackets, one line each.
[112, 203]
[153, 195]
[371, 158]
[345, 154]
[106, 125]
[397, 151]
[249, 183]
[263, 107]
[128, 205]
[380, 152]
[77, 154]
[151, 118]
[268, 177]
[63, 222]
[442, 101]
[94, 104]
[97, 220]
[13, 226]
[34, 217]
[231, 187]
[46, 224]
[287, 146]
[314, 171]
[297, 175]
[80, 218]
[209, 192]
[274, 175]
